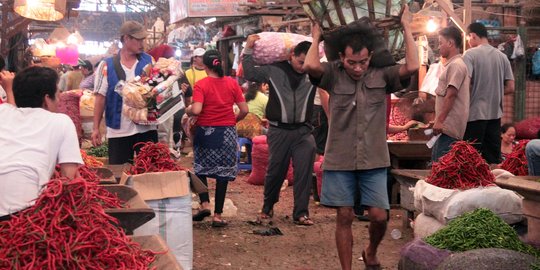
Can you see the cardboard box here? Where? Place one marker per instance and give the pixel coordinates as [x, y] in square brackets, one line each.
[160, 185]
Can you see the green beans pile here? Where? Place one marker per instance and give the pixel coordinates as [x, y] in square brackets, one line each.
[100, 151]
[480, 228]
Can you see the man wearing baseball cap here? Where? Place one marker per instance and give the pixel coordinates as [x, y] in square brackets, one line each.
[131, 61]
[196, 72]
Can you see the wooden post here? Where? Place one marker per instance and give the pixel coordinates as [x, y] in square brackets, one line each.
[520, 81]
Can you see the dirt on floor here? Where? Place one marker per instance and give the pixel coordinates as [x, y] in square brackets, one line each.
[299, 248]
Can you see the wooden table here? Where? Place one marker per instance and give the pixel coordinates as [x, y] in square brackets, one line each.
[407, 179]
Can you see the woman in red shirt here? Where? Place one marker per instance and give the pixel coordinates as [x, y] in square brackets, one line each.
[214, 141]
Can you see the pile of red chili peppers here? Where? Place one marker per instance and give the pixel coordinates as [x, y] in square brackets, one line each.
[153, 157]
[84, 171]
[516, 162]
[461, 168]
[67, 228]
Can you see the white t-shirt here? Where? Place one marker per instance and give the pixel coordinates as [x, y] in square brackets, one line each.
[127, 127]
[32, 142]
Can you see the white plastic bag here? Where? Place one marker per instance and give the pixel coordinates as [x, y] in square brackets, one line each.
[519, 50]
[431, 81]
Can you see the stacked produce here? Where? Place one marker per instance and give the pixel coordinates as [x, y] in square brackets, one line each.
[479, 229]
[461, 168]
[516, 162]
[67, 228]
[146, 98]
[153, 157]
[90, 160]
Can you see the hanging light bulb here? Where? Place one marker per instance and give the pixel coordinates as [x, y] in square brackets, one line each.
[432, 26]
[42, 10]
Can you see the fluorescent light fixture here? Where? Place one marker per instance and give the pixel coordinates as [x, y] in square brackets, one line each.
[178, 53]
[210, 20]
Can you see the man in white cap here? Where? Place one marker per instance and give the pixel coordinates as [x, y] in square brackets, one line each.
[131, 61]
[196, 72]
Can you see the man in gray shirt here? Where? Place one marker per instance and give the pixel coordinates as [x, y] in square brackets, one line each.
[491, 79]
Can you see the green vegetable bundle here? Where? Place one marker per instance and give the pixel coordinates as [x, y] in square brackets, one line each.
[100, 151]
[480, 228]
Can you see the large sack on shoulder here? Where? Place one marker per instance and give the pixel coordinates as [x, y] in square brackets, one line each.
[363, 26]
[418, 255]
[275, 46]
[425, 226]
[488, 259]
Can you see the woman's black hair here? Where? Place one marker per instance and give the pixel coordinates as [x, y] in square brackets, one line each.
[31, 85]
[212, 60]
[505, 127]
[253, 88]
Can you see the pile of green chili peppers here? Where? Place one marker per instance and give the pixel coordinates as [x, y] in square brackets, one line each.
[479, 229]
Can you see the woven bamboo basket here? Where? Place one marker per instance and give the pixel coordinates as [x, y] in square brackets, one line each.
[336, 17]
[333, 13]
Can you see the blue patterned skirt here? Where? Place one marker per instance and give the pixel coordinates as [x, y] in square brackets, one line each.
[215, 151]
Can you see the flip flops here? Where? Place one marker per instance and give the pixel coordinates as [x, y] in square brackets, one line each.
[370, 266]
[304, 221]
[201, 215]
[219, 223]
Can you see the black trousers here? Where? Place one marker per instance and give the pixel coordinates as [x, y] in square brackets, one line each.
[221, 190]
[121, 149]
[487, 135]
[320, 128]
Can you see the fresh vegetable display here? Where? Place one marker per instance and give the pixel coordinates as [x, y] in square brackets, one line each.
[67, 228]
[516, 162]
[153, 157]
[90, 160]
[480, 228]
[99, 151]
[461, 168]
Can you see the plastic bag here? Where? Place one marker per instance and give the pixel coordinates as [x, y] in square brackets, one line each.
[431, 81]
[519, 49]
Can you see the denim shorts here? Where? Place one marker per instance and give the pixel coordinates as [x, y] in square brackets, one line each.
[339, 188]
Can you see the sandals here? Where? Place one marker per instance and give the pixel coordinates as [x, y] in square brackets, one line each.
[219, 223]
[201, 215]
[370, 266]
[263, 219]
[304, 221]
